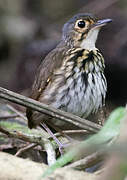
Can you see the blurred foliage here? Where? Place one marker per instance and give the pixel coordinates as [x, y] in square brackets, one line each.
[111, 130]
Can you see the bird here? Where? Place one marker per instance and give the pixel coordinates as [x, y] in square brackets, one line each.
[71, 77]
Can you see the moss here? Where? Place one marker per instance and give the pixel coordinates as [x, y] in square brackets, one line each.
[14, 126]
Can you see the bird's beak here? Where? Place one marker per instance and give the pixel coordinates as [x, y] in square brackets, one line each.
[101, 23]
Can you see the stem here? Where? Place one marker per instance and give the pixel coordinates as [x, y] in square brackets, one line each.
[48, 110]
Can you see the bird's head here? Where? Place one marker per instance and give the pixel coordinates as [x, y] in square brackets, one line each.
[82, 30]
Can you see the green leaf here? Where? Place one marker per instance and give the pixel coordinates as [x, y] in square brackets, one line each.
[113, 124]
[110, 130]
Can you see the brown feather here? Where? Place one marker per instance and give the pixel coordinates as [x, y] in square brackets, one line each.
[51, 62]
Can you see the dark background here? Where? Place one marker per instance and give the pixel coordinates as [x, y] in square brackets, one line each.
[29, 29]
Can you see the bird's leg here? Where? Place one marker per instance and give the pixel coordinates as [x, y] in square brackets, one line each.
[60, 145]
[70, 140]
[60, 131]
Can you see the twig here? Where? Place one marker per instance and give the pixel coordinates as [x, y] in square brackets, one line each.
[25, 137]
[100, 171]
[46, 109]
[51, 154]
[77, 131]
[87, 161]
[21, 150]
[9, 116]
[17, 112]
[5, 146]
[37, 140]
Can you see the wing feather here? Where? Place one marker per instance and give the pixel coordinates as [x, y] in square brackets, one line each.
[51, 62]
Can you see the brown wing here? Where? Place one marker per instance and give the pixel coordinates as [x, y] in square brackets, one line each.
[51, 62]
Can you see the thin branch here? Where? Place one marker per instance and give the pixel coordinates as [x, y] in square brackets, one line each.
[77, 131]
[9, 116]
[51, 154]
[87, 161]
[21, 150]
[35, 140]
[25, 137]
[17, 112]
[48, 110]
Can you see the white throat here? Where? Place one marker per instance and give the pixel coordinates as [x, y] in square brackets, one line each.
[89, 42]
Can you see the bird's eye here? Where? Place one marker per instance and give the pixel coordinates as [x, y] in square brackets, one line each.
[81, 24]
